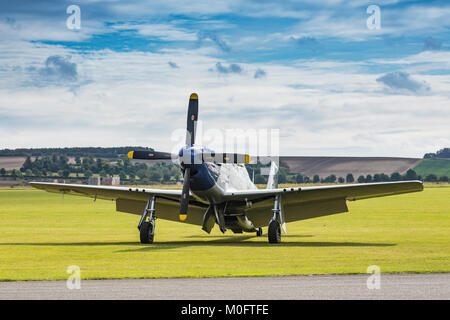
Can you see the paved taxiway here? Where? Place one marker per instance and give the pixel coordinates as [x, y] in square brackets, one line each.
[392, 286]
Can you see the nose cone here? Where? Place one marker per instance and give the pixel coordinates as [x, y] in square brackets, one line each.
[190, 156]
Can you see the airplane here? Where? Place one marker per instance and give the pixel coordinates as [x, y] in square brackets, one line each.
[217, 189]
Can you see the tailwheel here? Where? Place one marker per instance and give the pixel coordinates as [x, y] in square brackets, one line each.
[259, 232]
[147, 232]
[274, 232]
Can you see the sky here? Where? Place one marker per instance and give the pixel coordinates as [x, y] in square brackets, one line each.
[332, 77]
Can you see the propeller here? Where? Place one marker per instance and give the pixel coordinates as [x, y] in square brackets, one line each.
[184, 201]
[190, 155]
[191, 126]
[225, 157]
[150, 155]
[192, 118]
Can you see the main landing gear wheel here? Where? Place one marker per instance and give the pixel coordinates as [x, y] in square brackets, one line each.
[147, 232]
[259, 232]
[274, 233]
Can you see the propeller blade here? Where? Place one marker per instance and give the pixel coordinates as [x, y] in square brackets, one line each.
[184, 202]
[192, 118]
[149, 155]
[226, 157]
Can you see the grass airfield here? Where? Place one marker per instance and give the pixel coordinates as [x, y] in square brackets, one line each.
[41, 234]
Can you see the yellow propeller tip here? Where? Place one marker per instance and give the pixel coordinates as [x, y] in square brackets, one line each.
[247, 158]
[183, 217]
[194, 96]
[130, 154]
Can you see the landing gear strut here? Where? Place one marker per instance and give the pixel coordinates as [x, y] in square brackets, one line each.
[147, 228]
[274, 231]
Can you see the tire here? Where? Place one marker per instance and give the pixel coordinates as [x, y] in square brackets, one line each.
[259, 232]
[274, 232]
[146, 232]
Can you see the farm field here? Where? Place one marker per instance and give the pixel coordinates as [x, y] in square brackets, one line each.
[439, 167]
[41, 234]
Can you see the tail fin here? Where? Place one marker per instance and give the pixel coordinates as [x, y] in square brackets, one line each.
[272, 182]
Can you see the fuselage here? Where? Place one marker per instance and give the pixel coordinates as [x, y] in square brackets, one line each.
[210, 181]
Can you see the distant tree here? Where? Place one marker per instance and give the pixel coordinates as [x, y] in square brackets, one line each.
[28, 173]
[411, 175]
[16, 173]
[361, 179]
[341, 180]
[431, 178]
[27, 164]
[77, 160]
[350, 178]
[443, 179]
[368, 178]
[384, 177]
[2, 171]
[396, 176]
[306, 179]
[282, 177]
[259, 179]
[376, 177]
[88, 173]
[316, 178]
[442, 153]
[36, 172]
[155, 176]
[66, 173]
[299, 178]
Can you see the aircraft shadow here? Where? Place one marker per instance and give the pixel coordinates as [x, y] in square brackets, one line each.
[247, 237]
[111, 243]
[223, 241]
[239, 242]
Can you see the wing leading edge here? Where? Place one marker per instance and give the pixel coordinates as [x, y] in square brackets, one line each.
[131, 200]
[345, 191]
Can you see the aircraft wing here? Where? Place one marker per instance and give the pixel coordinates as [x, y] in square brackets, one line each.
[309, 202]
[132, 200]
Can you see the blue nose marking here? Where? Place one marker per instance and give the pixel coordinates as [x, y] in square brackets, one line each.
[201, 179]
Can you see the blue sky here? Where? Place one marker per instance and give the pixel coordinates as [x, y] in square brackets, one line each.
[313, 70]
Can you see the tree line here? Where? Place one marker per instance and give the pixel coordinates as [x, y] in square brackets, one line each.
[58, 166]
[442, 153]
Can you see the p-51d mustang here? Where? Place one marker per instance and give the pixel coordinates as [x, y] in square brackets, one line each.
[217, 190]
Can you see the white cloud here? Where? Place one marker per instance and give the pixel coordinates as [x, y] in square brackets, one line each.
[136, 98]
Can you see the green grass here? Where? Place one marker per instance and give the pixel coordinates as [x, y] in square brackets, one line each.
[439, 167]
[41, 234]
